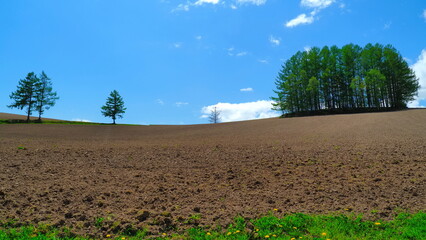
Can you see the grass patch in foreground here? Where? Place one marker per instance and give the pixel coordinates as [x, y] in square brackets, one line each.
[289, 227]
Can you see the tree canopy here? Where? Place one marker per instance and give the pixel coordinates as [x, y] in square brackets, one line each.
[347, 78]
[114, 106]
[34, 93]
[214, 116]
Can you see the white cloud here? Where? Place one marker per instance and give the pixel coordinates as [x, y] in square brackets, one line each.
[424, 14]
[180, 104]
[316, 3]
[255, 2]
[181, 7]
[301, 19]
[199, 37]
[275, 41]
[307, 48]
[317, 6]
[246, 89]
[387, 25]
[231, 52]
[240, 54]
[177, 45]
[186, 7]
[230, 112]
[80, 120]
[264, 61]
[201, 2]
[420, 69]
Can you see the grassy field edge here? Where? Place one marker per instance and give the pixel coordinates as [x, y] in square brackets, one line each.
[271, 226]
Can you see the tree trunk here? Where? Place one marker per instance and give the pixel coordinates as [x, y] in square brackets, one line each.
[28, 115]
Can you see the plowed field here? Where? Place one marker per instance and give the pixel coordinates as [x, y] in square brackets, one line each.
[176, 177]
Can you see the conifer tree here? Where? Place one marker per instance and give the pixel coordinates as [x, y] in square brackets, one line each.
[26, 94]
[114, 106]
[46, 98]
[214, 116]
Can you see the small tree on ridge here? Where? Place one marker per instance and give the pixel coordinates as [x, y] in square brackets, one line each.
[26, 94]
[114, 107]
[214, 116]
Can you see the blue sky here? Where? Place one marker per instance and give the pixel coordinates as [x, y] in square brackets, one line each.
[173, 60]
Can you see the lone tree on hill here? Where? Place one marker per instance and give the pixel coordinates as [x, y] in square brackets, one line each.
[214, 116]
[114, 107]
[45, 96]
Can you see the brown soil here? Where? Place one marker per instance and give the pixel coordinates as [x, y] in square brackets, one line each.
[164, 177]
[9, 116]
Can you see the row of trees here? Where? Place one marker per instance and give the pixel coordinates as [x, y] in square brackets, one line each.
[346, 78]
[35, 94]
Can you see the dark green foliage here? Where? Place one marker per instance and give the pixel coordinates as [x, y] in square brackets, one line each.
[26, 94]
[345, 79]
[46, 98]
[114, 107]
[35, 94]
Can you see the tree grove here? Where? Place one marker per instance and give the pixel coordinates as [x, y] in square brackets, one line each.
[345, 79]
[35, 94]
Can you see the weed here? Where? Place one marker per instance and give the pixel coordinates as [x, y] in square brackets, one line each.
[99, 221]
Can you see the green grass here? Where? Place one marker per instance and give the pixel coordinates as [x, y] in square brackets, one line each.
[293, 226]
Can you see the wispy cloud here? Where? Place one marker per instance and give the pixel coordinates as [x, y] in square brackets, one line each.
[264, 61]
[199, 37]
[180, 104]
[187, 6]
[159, 101]
[424, 14]
[232, 4]
[201, 2]
[232, 52]
[274, 40]
[240, 54]
[301, 19]
[255, 2]
[316, 5]
[181, 7]
[246, 89]
[420, 69]
[177, 45]
[230, 112]
[387, 25]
